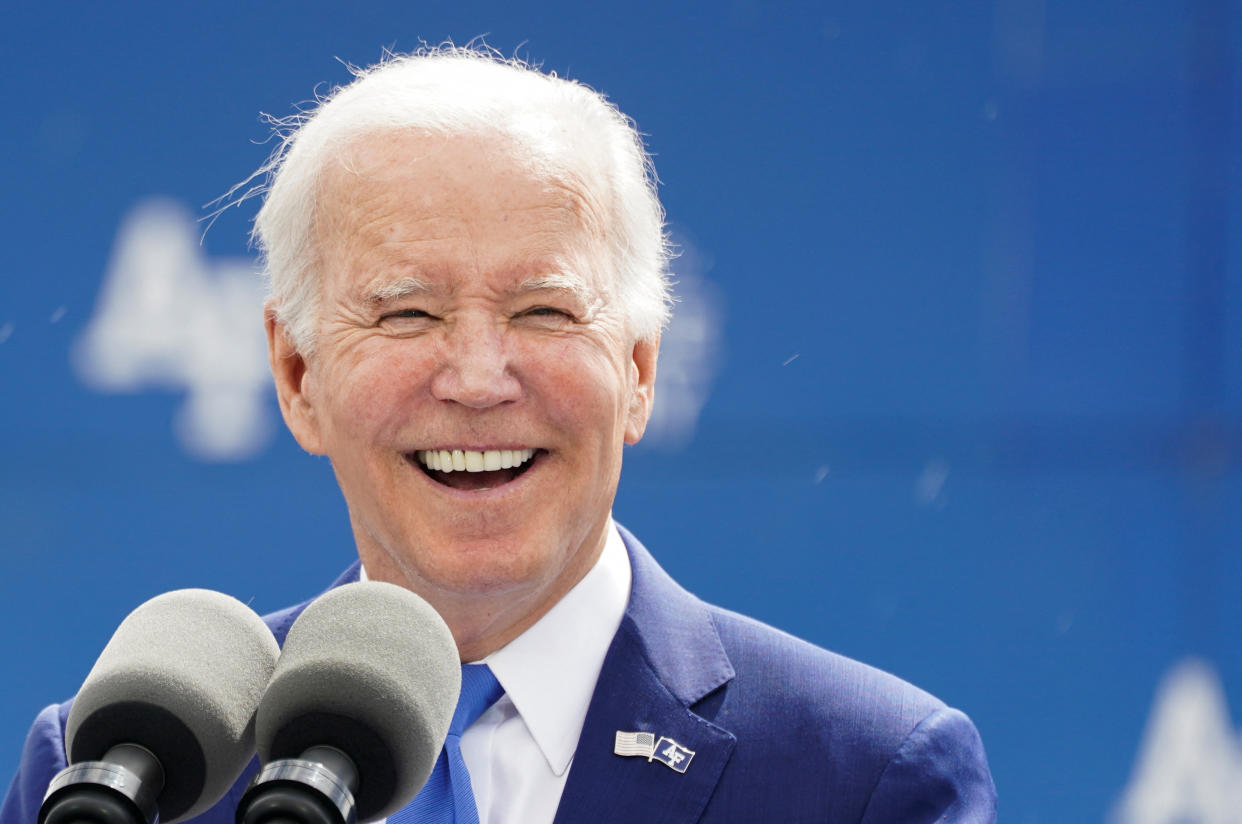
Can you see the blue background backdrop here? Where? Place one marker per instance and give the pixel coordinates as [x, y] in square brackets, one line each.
[975, 272]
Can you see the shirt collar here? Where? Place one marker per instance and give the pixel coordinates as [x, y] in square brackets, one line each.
[549, 671]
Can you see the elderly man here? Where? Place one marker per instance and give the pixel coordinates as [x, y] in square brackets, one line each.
[468, 281]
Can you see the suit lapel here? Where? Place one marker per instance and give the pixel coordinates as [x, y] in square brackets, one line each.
[665, 657]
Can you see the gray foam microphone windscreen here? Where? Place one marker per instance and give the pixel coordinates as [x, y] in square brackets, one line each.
[371, 669]
[182, 676]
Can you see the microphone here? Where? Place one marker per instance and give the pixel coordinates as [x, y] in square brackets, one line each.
[164, 722]
[357, 710]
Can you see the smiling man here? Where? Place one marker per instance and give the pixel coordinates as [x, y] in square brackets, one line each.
[468, 283]
[473, 376]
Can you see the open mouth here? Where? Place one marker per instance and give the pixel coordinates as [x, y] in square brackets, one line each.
[475, 471]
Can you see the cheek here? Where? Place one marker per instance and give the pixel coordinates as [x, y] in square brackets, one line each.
[581, 387]
[373, 395]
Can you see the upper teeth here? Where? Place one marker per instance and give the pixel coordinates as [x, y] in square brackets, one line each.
[466, 460]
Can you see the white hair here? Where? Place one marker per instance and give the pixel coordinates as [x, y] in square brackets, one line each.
[566, 128]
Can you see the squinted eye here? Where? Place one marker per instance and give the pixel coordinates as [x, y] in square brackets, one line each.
[548, 312]
[406, 320]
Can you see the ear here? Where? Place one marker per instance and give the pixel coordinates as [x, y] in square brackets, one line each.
[643, 364]
[290, 372]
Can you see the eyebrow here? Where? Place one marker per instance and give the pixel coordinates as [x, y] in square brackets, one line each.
[558, 282]
[384, 291]
[379, 292]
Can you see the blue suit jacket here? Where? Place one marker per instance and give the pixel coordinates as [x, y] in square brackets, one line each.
[780, 730]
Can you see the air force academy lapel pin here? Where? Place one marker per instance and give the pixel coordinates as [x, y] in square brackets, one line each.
[644, 745]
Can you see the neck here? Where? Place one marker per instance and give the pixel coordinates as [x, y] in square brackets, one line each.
[483, 622]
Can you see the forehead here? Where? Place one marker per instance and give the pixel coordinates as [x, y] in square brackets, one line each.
[436, 203]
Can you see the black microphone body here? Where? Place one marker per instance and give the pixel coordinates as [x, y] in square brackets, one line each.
[120, 788]
[316, 788]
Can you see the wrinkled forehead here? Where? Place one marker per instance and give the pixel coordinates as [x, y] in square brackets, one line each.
[426, 184]
[440, 163]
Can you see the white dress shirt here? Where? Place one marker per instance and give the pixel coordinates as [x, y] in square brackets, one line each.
[519, 751]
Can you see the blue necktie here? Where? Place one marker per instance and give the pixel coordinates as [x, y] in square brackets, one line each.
[447, 798]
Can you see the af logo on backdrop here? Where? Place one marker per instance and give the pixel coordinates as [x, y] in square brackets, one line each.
[1189, 768]
[170, 318]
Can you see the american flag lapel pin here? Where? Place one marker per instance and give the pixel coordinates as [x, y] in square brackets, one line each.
[645, 745]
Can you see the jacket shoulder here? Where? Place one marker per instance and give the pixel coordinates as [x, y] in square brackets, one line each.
[850, 705]
[856, 740]
[43, 756]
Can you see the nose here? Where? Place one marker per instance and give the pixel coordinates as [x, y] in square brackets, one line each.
[475, 371]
